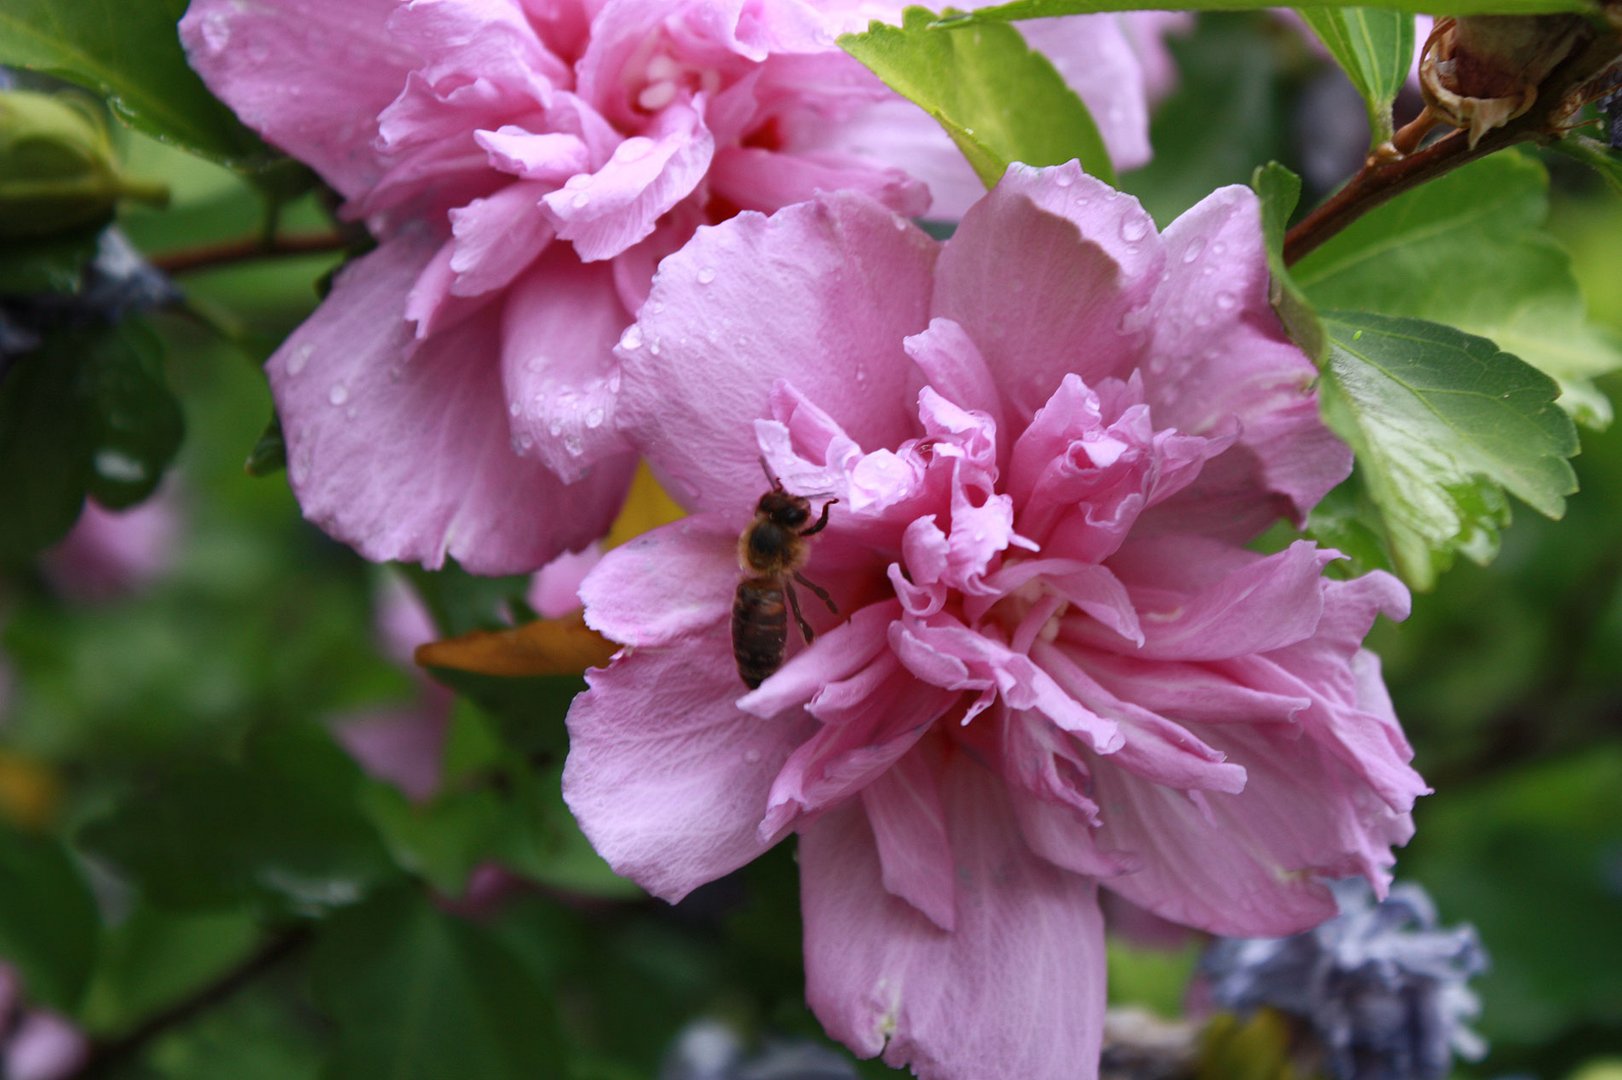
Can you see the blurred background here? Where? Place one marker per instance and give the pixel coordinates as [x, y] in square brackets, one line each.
[242, 836]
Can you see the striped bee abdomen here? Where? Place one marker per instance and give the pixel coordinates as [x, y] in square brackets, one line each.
[759, 628]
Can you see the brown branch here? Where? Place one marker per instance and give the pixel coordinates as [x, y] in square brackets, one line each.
[1383, 177]
[106, 1054]
[187, 260]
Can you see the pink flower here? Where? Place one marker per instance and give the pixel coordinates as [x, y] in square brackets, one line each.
[525, 164]
[1055, 664]
[111, 553]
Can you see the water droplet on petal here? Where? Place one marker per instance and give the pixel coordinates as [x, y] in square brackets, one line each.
[513, 409]
[751, 756]
[298, 358]
[555, 427]
[1133, 228]
[1195, 248]
[338, 394]
[594, 418]
[631, 340]
[1063, 178]
[1227, 301]
[579, 201]
[706, 275]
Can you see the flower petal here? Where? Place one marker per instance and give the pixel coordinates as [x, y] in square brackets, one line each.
[666, 584]
[1015, 989]
[1050, 273]
[1221, 352]
[559, 325]
[605, 212]
[310, 76]
[1251, 864]
[667, 778]
[752, 178]
[400, 448]
[820, 293]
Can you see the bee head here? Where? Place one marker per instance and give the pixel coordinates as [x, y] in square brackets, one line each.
[781, 508]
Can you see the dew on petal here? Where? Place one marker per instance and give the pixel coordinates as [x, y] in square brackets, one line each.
[594, 418]
[338, 394]
[1195, 248]
[1133, 228]
[299, 358]
[631, 340]
[706, 275]
[579, 201]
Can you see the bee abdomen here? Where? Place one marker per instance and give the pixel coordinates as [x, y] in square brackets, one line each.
[759, 629]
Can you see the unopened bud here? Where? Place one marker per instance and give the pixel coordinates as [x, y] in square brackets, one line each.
[58, 170]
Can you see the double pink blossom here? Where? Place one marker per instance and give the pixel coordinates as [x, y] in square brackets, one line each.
[1056, 665]
[525, 164]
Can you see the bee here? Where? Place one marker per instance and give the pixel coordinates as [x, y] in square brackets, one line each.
[772, 550]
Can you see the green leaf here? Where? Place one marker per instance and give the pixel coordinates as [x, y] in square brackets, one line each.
[1442, 424]
[1227, 112]
[44, 452]
[1555, 823]
[153, 959]
[49, 927]
[1469, 250]
[417, 994]
[136, 424]
[269, 453]
[1279, 190]
[1000, 101]
[88, 413]
[283, 829]
[131, 54]
[1375, 47]
[53, 264]
[1592, 152]
[1043, 9]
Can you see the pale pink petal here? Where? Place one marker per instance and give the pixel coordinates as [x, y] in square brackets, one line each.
[551, 156]
[111, 553]
[405, 746]
[496, 237]
[658, 587]
[953, 367]
[1096, 57]
[1273, 602]
[909, 830]
[667, 778]
[559, 325]
[605, 212]
[844, 282]
[555, 590]
[870, 721]
[45, 1046]
[1220, 352]
[1015, 989]
[1250, 864]
[767, 180]
[402, 450]
[1050, 273]
[311, 76]
[899, 134]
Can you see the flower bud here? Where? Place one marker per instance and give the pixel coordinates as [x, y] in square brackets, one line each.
[57, 167]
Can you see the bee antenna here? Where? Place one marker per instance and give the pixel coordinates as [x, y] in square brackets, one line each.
[767, 469]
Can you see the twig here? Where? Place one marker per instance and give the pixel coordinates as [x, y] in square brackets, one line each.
[1382, 178]
[105, 1054]
[187, 260]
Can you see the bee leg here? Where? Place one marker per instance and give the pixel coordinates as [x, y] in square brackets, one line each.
[794, 605]
[821, 521]
[822, 594]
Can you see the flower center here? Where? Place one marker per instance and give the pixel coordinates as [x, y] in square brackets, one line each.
[663, 78]
[1030, 613]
